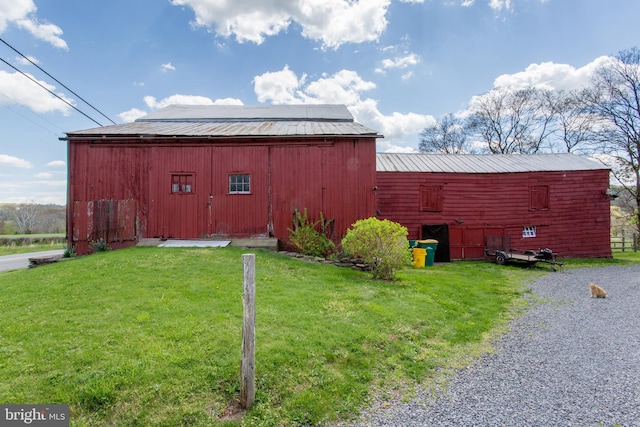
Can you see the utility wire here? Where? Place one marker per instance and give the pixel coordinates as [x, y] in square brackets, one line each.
[33, 121]
[51, 92]
[58, 81]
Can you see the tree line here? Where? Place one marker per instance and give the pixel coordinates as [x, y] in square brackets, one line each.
[600, 120]
[31, 218]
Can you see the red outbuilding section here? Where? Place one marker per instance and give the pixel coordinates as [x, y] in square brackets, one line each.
[556, 201]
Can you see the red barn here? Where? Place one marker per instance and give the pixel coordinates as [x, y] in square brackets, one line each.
[218, 171]
[557, 201]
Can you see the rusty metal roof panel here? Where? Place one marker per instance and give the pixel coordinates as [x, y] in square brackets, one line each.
[485, 163]
[229, 129]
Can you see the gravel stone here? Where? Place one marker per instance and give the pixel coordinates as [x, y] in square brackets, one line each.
[570, 360]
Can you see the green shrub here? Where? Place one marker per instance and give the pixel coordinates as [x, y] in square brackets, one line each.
[69, 252]
[382, 244]
[311, 238]
[99, 245]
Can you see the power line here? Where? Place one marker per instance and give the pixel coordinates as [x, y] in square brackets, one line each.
[33, 121]
[51, 92]
[57, 81]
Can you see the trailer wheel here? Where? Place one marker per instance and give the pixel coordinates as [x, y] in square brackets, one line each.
[501, 259]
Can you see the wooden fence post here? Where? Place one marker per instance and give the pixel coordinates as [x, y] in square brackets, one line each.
[247, 363]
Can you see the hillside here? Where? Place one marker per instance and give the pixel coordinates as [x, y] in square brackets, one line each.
[31, 218]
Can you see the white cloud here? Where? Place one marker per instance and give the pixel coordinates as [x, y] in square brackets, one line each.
[57, 164]
[13, 10]
[344, 87]
[131, 115]
[22, 13]
[49, 33]
[153, 103]
[17, 89]
[279, 87]
[548, 75]
[333, 22]
[43, 175]
[7, 160]
[498, 5]
[401, 62]
[167, 67]
[407, 75]
[27, 61]
[135, 113]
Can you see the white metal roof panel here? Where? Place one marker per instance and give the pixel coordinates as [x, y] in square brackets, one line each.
[315, 112]
[238, 121]
[484, 163]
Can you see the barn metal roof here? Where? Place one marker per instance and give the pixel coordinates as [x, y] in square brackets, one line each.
[485, 163]
[238, 121]
[314, 112]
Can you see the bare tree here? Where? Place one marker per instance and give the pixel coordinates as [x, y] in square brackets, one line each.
[615, 98]
[575, 124]
[512, 121]
[26, 216]
[447, 136]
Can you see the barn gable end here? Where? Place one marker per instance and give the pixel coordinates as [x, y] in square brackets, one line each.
[193, 172]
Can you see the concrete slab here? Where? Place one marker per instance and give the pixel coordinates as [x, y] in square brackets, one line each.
[269, 243]
[194, 244]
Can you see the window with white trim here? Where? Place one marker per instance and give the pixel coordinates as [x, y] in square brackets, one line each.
[529, 231]
[239, 184]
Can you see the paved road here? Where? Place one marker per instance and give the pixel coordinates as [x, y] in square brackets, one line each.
[16, 262]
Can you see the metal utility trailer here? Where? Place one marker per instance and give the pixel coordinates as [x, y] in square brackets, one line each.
[499, 248]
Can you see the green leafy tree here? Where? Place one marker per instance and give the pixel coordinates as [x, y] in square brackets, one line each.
[382, 244]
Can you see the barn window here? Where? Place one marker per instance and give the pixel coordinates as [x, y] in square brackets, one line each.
[239, 184]
[182, 183]
[431, 198]
[529, 231]
[539, 197]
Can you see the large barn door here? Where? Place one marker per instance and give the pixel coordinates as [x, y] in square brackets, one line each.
[439, 232]
[179, 192]
[236, 200]
[468, 242]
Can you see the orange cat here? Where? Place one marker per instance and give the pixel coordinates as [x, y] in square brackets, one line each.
[597, 291]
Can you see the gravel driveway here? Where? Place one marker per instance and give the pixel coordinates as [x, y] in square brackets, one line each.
[569, 361]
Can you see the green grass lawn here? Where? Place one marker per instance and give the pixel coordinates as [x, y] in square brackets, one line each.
[24, 249]
[152, 336]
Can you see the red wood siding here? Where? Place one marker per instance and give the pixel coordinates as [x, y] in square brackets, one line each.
[334, 176]
[575, 224]
[336, 180]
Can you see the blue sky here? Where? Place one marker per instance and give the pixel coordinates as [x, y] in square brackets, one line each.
[398, 65]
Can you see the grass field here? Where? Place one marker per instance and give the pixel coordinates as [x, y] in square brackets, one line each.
[13, 244]
[151, 336]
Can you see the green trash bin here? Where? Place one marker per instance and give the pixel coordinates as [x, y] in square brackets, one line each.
[430, 245]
